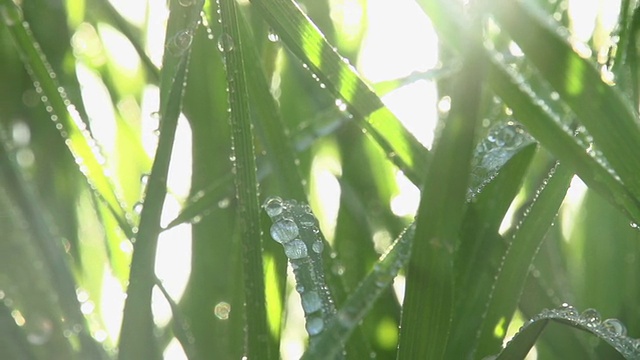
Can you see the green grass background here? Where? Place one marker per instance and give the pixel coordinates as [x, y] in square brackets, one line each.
[132, 170]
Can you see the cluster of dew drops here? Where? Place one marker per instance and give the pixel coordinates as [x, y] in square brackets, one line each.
[613, 331]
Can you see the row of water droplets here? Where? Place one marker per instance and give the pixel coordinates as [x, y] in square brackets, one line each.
[580, 134]
[296, 228]
[613, 331]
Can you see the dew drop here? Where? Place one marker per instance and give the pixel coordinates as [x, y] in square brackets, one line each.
[186, 3]
[273, 206]
[224, 203]
[137, 208]
[284, 230]
[307, 219]
[180, 43]
[225, 43]
[273, 36]
[317, 247]
[590, 317]
[222, 310]
[300, 288]
[615, 327]
[295, 249]
[311, 302]
[314, 325]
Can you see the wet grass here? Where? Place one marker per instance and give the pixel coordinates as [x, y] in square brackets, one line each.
[265, 99]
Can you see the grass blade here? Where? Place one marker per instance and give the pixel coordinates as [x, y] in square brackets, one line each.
[304, 39]
[580, 85]
[137, 340]
[429, 289]
[65, 118]
[246, 182]
[518, 258]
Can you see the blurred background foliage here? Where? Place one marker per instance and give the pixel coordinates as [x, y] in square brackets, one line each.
[134, 136]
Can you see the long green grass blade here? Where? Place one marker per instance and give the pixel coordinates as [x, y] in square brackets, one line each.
[518, 258]
[304, 39]
[137, 339]
[603, 109]
[62, 113]
[430, 276]
[258, 345]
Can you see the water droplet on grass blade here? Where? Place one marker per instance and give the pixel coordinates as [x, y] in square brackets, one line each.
[590, 317]
[284, 230]
[295, 249]
[310, 302]
[180, 43]
[273, 206]
[317, 247]
[225, 43]
[615, 327]
[314, 325]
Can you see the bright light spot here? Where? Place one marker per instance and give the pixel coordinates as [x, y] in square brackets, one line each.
[99, 107]
[156, 28]
[150, 121]
[133, 11]
[18, 318]
[413, 104]
[407, 201]
[326, 188]
[348, 15]
[174, 351]
[571, 206]
[173, 259]
[293, 331]
[444, 105]
[120, 50]
[111, 304]
[582, 18]
[179, 181]
[388, 50]
[399, 284]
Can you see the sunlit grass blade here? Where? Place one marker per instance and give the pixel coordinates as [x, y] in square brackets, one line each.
[137, 339]
[304, 39]
[545, 126]
[602, 109]
[180, 326]
[246, 182]
[65, 118]
[430, 276]
[518, 258]
[539, 120]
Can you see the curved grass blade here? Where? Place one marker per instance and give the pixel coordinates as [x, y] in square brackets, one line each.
[137, 340]
[66, 119]
[518, 258]
[603, 109]
[430, 276]
[611, 331]
[304, 39]
[246, 182]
